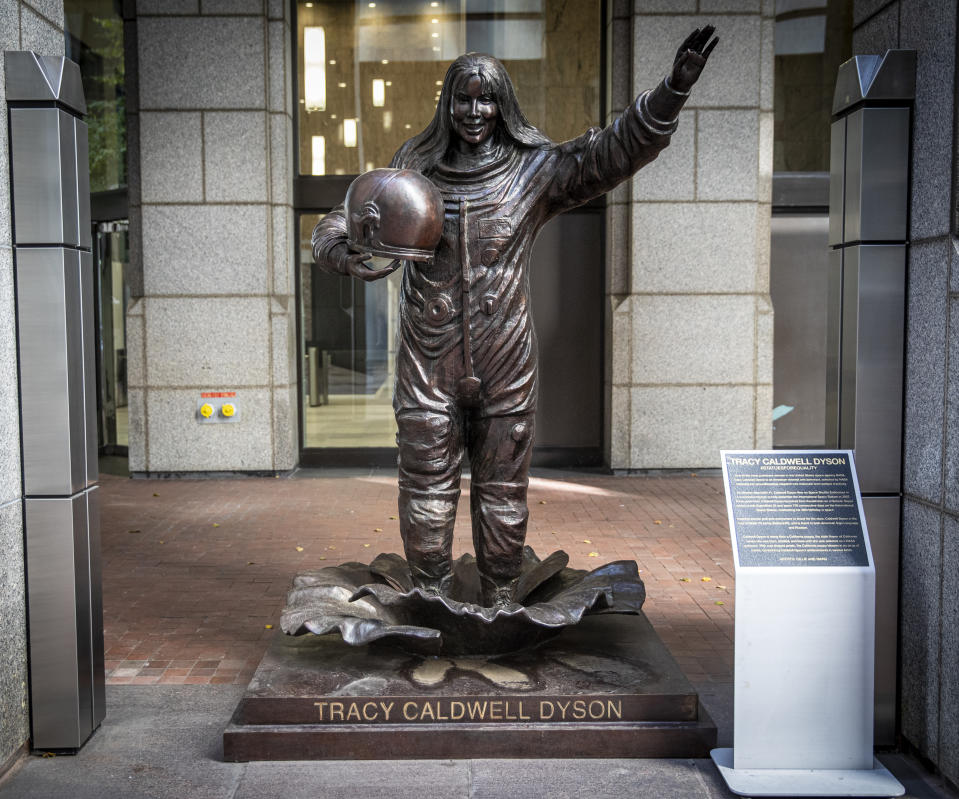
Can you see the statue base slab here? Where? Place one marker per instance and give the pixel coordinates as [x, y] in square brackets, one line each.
[604, 688]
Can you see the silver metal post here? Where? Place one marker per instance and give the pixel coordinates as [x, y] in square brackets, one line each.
[54, 294]
[868, 212]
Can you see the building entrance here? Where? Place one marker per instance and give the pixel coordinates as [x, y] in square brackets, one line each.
[368, 78]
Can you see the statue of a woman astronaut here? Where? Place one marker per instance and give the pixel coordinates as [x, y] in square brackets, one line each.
[466, 372]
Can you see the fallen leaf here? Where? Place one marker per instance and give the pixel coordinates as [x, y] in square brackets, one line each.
[133, 531]
[684, 579]
[299, 549]
[322, 557]
[268, 626]
[162, 542]
[49, 754]
[249, 563]
[720, 602]
[587, 541]
[366, 546]
[542, 502]
[721, 587]
[594, 554]
[692, 474]
[331, 547]
[672, 525]
[657, 521]
[393, 517]
[706, 579]
[377, 529]
[216, 524]
[155, 494]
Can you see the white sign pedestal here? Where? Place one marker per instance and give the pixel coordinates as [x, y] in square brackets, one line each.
[804, 639]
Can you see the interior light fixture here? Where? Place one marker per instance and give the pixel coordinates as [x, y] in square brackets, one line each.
[319, 155]
[341, 85]
[379, 92]
[349, 133]
[387, 120]
[385, 61]
[435, 35]
[314, 68]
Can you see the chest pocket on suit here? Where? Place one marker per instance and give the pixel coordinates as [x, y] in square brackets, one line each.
[494, 235]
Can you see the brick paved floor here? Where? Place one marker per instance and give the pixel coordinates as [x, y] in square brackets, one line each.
[195, 570]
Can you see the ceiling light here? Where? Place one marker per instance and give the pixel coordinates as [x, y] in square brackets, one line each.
[314, 68]
[379, 92]
[319, 155]
[349, 133]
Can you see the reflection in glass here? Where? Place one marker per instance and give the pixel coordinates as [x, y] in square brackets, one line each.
[365, 69]
[349, 334]
[112, 300]
[812, 38]
[94, 39]
[369, 76]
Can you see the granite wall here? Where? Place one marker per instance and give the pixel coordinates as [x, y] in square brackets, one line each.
[211, 224]
[929, 612]
[36, 26]
[689, 318]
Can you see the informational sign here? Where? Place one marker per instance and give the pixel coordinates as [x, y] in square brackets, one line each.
[805, 636]
[794, 508]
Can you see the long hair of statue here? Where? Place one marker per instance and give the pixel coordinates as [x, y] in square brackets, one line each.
[425, 150]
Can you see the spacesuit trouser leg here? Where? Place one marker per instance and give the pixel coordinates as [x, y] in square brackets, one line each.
[430, 464]
[500, 452]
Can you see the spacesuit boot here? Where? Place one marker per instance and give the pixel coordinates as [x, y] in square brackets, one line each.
[499, 530]
[426, 526]
[497, 593]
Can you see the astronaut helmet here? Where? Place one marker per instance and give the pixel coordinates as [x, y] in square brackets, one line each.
[394, 213]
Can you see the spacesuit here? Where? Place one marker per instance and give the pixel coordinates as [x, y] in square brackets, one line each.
[466, 364]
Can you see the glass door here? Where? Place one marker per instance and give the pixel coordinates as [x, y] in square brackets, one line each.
[113, 296]
[348, 335]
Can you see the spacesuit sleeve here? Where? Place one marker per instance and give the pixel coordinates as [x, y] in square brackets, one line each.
[602, 158]
[330, 246]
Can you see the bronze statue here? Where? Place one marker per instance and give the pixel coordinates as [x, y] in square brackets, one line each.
[466, 372]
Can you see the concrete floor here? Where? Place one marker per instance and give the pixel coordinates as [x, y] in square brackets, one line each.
[164, 742]
[195, 569]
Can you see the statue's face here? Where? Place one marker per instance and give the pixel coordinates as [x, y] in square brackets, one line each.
[474, 113]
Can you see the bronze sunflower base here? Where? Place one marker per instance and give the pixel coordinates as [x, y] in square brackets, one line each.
[378, 602]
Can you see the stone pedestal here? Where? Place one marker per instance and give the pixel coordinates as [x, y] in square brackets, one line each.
[606, 688]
